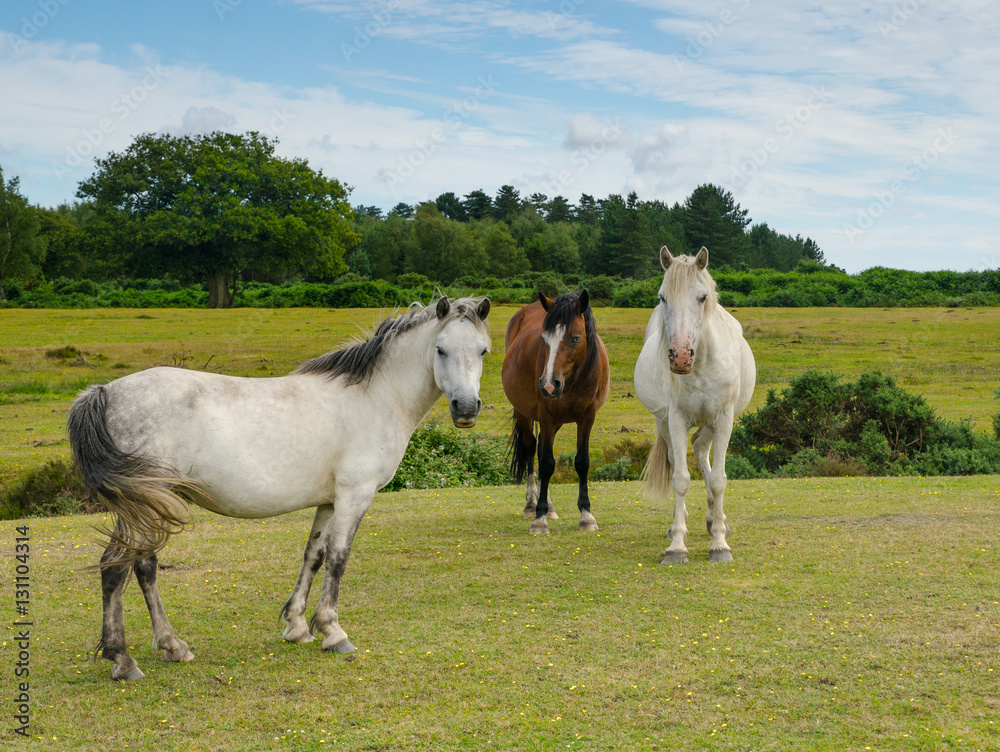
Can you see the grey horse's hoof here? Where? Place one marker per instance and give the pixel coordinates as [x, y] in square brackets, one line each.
[588, 525]
[529, 513]
[674, 557]
[725, 555]
[133, 674]
[539, 527]
[181, 655]
[344, 646]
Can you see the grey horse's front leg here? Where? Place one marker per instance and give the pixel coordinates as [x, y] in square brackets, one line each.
[350, 509]
[293, 612]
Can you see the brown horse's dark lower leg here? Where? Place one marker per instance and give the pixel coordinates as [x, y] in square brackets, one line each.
[582, 466]
[546, 466]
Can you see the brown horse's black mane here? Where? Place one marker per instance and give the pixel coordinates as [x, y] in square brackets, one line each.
[563, 312]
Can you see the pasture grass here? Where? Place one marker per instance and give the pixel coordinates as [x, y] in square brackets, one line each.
[858, 613]
[950, 356]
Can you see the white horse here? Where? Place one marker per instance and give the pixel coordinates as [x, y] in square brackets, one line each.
[329, 435]
[695, 370]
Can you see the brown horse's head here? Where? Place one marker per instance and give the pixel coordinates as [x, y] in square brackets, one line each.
[567, 341]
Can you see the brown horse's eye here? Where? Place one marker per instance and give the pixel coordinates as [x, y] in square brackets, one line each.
[576, 340]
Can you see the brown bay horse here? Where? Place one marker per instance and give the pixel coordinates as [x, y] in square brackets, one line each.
[555, 371]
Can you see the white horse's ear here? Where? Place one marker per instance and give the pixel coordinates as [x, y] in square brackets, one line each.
[483, 310]
[583, 301]
[702, 258]
[665, 258]
[443, 306]
[546, 303]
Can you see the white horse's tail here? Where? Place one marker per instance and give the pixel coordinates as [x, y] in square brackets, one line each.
[658, 474]
[137, 490]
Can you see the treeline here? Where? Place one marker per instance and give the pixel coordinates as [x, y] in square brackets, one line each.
[507, 235]
[810, 284]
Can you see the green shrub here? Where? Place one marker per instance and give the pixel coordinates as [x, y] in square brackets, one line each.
[820, 426]
[55, 488]
[437, 457]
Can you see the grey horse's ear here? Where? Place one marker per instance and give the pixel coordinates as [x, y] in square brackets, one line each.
[483, 310]
[702, 258]
[666, 259]
[546, 303]
[583, 302]
[443, 306]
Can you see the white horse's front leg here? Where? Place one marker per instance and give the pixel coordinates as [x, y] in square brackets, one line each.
[676, 552]
[719, 528]
[349, 510]
[297, 629]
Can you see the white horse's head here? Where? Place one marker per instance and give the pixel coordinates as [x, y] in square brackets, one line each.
[460, 346]
[687, 296]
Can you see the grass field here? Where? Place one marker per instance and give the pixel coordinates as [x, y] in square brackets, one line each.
[858, 614]
[950, 356]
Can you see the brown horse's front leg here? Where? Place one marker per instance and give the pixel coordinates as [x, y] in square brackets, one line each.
[546, 466]
[582, 464]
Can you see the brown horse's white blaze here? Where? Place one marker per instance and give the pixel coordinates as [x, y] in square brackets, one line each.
[555, 372]
[695, 371]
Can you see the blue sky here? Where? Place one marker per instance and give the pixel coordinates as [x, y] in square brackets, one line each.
[870, 126]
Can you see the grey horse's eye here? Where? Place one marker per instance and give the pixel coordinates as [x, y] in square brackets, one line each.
[442, 353]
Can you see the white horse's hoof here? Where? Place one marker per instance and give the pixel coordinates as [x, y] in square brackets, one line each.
[539, 527]
[588, 525]
[723, 555]
[674, 557]
[529, 513]
[344, 646]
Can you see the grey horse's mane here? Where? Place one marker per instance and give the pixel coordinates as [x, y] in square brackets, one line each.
[681, 276]
[357, 362]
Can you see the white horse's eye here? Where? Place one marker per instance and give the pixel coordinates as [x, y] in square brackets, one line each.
[442, 353]
[663, 300]
[702, 298]
[483, 353]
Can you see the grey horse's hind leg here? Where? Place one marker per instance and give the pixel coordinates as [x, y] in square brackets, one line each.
[297, 629]
[112, 643]
[164, 637]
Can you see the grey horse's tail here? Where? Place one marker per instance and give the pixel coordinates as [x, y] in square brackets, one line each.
[140, 492]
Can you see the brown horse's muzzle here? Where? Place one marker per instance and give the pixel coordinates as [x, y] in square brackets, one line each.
[550, 389]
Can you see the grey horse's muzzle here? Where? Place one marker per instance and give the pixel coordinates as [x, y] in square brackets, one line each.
[465, 411]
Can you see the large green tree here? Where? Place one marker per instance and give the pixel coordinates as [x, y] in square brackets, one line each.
[219, 207]
[712, 218]
[443, 249]
[22, 250]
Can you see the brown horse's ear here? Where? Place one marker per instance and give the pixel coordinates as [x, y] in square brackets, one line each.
[666, 259]
[443, 306]
[702, 258]
[546, 303]
[583, 302]
[483, 310]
